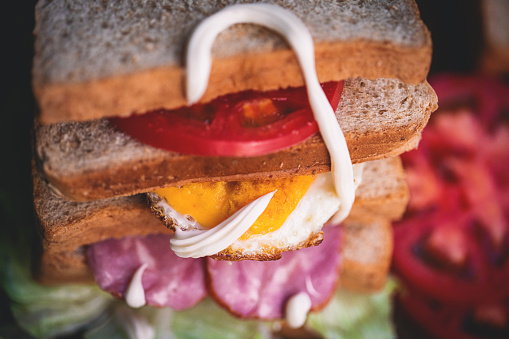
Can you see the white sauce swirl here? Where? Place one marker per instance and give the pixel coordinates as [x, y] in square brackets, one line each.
[135, 294]
[297, 309]
[198, 65]
[201, 242]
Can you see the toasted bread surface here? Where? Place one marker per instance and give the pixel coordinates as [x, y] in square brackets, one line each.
[367, 250]
[67, 227]
[71, 224]
[383, 193]
[98, 60]
[92, 160]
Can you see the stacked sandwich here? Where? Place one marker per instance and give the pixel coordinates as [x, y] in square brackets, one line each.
[115, 126]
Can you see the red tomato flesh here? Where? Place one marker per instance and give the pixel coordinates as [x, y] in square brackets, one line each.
[247, 123]
[453, 245]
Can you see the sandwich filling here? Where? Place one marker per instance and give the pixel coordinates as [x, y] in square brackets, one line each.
[242, 124]
[198, 70]
[297, 35]
[299, 208]
[213, 202]
[152, 274]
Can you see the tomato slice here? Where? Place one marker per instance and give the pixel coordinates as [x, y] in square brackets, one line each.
[476, 279]
[453, 245]
[247, 123]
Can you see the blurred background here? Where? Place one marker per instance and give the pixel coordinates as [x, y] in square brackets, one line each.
[464, 43]
[16, 114]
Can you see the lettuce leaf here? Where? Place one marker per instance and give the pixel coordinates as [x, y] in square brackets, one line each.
[355, 316]
[215, 322]
[45, 311]
[42, 311]
[205, 320]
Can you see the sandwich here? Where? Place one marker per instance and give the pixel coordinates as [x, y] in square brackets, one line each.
[115, 121]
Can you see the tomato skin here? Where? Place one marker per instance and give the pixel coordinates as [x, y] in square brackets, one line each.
[452, 248]
[466, 198]
[471, 287]
[227, 126]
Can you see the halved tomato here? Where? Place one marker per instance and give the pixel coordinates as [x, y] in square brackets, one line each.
[247, 123]
[453, 245]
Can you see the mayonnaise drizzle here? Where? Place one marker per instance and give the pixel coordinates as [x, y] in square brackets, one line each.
[135, 294]
[198, 63]
[297, 309]
[196, 243]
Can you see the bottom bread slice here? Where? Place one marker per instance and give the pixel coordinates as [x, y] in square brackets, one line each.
[366, 252]
[67, 227]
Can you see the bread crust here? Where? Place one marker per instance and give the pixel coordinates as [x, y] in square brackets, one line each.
[124, 179]
[92, 160]
[365, 268]
[64, 238]
[105, 59]
[163, 87]
[121, 180]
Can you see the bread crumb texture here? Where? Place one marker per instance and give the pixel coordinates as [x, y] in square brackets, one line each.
[80, 41]
[377, 112]
[368, 106]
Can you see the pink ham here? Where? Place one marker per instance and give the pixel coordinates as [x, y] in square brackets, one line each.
[168, 281]
[253, 289]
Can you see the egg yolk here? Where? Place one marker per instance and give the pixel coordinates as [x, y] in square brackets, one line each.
[213, 202]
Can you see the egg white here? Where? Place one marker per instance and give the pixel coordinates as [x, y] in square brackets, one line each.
[317, 206]
[314, 209]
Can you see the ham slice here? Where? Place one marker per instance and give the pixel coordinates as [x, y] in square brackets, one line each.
[168, 281]
[254, 289]
[250, 289]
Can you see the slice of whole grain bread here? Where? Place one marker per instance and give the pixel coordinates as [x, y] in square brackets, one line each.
[67, 227]
[109, 58]
[367, 251]
[92, 160]
[383, 182]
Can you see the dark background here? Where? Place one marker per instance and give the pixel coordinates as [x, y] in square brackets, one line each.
[454, 24]
[16, 115]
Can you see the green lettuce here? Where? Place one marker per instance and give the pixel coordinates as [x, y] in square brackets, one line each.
[42, 311]
[205, 320]
[355, 316]
[216, 323]
[47, 312]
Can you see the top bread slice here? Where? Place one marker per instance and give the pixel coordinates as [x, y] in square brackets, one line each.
[92, 160]
[101, 59]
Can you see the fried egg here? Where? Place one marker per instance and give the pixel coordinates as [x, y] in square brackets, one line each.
[296, 214]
